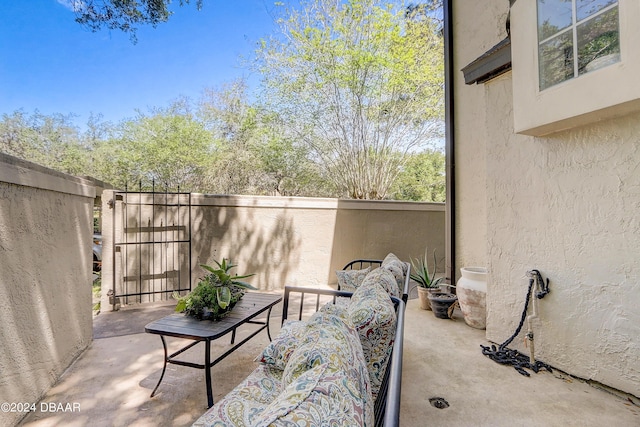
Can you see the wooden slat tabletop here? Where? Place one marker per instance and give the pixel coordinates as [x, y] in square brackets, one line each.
[179, 325]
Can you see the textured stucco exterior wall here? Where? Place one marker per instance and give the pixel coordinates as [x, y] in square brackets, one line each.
[470, 132]
[300, 241]
[567, 205]
[45, 279]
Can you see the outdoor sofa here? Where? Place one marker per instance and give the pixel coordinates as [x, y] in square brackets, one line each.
[337, 361]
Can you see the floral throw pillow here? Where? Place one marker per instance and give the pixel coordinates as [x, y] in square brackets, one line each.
[350, 280]
[385, 279]
[279, 350]
[397, 268]
[392, 258]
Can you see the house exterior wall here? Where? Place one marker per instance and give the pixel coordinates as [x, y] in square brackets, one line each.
[565, 204]
[470, 150]
[297, 241]
[45, 280]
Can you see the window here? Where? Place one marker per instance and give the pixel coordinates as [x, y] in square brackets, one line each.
[574, 62]
[569, 29]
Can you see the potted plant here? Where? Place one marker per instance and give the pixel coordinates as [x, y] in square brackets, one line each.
[427, 283]
[442, 303]
[216, 293]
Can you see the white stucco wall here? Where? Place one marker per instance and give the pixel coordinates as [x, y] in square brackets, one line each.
[45, 278]
[567, 205]
[470, 151]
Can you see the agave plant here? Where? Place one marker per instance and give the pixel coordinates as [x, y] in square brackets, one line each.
[420, 272]
[215, 294]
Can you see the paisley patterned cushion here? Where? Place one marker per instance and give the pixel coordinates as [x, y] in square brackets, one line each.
[383, 278]
[337, 310]
[278, 351]
[349, 280]
[372, 313]
[326, 371]
[344, 388]
[244, 404]
[322, 396]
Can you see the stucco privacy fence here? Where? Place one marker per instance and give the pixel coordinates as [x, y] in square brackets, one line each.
[45, 292]
[284, 240]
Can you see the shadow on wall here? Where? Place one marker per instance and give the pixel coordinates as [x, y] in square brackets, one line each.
[45, 292]
[372, 229]
[258, 239]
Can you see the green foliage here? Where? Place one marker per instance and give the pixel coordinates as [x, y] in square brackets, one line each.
[420, 272]
[360, 83]
[422, 178]
[52, 141]
[216, 293]
[169, 146]
[288, 168]
[96, 291]
[253, 153]
[123, 15]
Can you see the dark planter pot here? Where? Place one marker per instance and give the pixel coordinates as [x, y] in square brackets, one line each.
[423, 297]
[440, 303]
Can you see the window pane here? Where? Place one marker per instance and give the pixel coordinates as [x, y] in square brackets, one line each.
[553, 16]
[586, 8]
[556, 60]
[598, 42]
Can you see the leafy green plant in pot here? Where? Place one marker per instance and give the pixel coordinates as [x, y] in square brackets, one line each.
[216, 293]
[427, 283]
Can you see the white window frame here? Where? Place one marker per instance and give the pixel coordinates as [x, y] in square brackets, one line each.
[572, 30]
[601, 94]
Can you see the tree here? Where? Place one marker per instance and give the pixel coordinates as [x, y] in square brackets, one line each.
[169, 147]
[48, 140]
[123, 15]
[422, 178]
[253, 154]
[360, 83]
[233, 123]
[289, 168]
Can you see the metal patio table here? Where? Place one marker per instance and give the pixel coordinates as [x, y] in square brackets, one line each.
[181, 326]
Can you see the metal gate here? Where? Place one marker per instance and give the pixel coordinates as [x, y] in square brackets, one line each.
[152, 245]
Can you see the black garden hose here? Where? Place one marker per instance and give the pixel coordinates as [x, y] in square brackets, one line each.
[506, 356]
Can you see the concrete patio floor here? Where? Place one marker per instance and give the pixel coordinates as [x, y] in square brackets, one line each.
[113, 379]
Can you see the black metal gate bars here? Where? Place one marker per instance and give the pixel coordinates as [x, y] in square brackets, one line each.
[152, 245]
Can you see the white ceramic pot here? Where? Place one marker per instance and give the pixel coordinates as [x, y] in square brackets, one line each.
[471, 289]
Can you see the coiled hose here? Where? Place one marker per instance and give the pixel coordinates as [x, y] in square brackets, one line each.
[505, 356]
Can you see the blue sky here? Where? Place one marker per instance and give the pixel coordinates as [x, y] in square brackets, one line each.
[51, 63]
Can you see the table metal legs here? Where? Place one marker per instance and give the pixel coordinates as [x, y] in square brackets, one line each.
[169, 359]
[164, 368]
[208, 364]
[207, 372]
